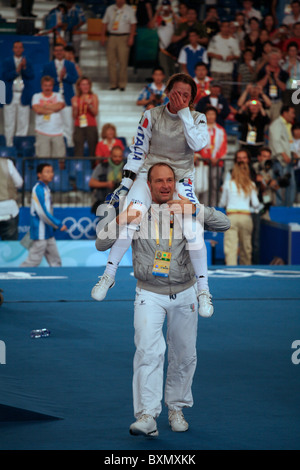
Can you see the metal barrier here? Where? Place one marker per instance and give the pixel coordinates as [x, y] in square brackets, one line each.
[70, 185]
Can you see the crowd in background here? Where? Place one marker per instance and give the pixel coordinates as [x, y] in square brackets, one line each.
[246, 70]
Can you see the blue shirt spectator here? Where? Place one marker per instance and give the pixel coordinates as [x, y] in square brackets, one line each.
[192, 54]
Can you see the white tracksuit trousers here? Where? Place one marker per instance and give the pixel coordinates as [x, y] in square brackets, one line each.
[150, 310]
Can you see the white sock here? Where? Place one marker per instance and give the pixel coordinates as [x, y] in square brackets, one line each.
[199, 262]
[197, 250]
[118, 250]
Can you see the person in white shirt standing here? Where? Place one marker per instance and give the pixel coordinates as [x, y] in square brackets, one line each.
[10, 181]
[119, 22]
[223, 50]
[239, 197]
[294, 16]
[48, 120]
[250, 12]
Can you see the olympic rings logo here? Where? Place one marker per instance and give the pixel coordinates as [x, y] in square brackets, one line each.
[84, 226]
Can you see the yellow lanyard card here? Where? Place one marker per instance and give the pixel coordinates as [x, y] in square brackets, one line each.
[83, 120]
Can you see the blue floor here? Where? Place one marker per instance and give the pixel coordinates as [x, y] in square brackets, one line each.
[246, 387]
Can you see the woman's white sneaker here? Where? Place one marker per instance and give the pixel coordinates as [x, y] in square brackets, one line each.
[206, 308]
[145, 425]
[99, 291]
[177, 421]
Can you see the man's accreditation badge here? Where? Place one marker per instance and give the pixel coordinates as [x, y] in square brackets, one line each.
[46, 117]
[161, 266]
[273, 91]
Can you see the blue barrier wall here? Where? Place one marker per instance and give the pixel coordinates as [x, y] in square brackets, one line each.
[276, 240]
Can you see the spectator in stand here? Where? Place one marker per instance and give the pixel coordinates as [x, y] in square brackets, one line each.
[292, 66]
[269, 24]
[191, 54]
[10, 181]
[266, 186]
[107, 176]
[47, 106]
[65, 76]
[246, 70]
[202, 81]
[267, 48]
[108, 141]
[280, 37]
[253, 91]
[217, 100]
[212, 21]
[70, 55]
[85, 111]
[144, 11]
[214, 152]
[280, 142]
[75, 18]
[181, 16]
[272, 78]
[192, 22]
[239, 196]
[174, 5]
[251, 40]
[296, 156]
[263, 38]
[240, 27]
[294, 17]
[223, 51]
[295, 37]
[253, 119]
[250, 12]
[119, 22]
[164, 22]
[180, 37]
[18, 75]
[155, 91]
[265, 181]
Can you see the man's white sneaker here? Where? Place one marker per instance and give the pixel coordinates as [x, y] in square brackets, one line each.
[177, 421]
[206, 308]
[99, 291]
[145, 425]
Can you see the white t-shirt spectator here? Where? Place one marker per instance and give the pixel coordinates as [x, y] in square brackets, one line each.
[290, 20]
[48, 124]
[225, 48]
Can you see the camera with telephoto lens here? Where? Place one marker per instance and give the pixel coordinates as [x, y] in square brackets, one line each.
[268, 165]
[283, 181]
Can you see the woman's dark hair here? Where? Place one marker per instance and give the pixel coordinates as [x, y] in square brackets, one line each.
[183, 78]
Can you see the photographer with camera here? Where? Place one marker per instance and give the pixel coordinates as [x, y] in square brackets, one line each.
[266, 183]
[154, 93]
[280, 141]
[266, 186]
